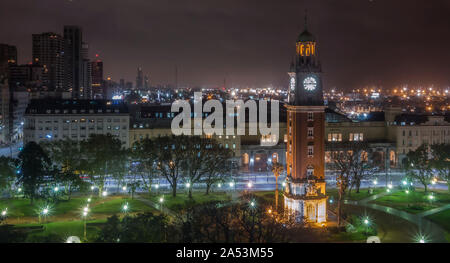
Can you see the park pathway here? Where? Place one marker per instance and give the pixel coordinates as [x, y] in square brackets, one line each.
[434, 211]
[157, 206]
[426, 227]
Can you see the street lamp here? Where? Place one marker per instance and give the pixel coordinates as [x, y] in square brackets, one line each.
[249, 184]
[188, 185]
[124, 188]
[84, 215]
[105, 193]
[44, 211]
[4, 213]
[161, 201]
[56, 189]
[125, 208]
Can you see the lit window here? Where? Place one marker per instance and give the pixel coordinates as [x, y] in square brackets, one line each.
[335, 137]
[310, 151]
[356, 137]
[310, 132]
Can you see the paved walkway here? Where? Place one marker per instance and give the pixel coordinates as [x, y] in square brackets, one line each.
[434, 211]
[157, 206]
[434, 231]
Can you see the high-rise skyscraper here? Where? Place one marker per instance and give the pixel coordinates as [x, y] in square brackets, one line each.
[97, 78]
[73, 60]
[86, 73]
[139, 79]
[305, 190]
[48, 49]
[8, 58]
[146, 83]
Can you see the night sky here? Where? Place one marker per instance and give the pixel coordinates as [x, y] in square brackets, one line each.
[248, 42]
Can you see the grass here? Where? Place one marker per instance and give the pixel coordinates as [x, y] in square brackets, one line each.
[23, 208]
[353, 196]
[391, 229]
[442, 219]
[415, 201]
[114, 205]
[176, 203]
[60, 231]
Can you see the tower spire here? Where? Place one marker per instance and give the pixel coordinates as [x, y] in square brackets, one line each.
[306, 18]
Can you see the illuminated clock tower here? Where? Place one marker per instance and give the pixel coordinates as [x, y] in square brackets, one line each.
[305, 189]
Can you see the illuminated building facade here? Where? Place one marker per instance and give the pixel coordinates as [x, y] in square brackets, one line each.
[305, 189]
[48, 50]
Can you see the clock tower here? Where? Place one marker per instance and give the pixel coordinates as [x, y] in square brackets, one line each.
[305, 189]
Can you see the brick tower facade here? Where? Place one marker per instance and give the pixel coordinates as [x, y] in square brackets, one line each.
[305, 189]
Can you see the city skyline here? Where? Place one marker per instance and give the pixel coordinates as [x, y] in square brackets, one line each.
[248, 44]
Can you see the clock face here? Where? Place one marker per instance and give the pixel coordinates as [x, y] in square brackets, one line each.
[292, 83]
[310, 83]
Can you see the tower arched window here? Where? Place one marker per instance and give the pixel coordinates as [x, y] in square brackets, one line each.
[310, 172]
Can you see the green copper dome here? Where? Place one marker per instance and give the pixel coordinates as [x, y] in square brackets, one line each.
[305, 36]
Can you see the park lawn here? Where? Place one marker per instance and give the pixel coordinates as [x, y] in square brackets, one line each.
[442, 218]
[354, 196]
[114, 205]
[415, 201]
[23, 208]
[269, 196]
[176, 203]
[60, 231]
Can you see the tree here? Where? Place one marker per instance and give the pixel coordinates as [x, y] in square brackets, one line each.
[35, 166]
[418, 165]
[277, 169]
[441, 161]
[110, 232]
[343, 160]
[361, 165]
[170, 156]
[143, 227]
[195, 152]
[103, 155]
[217, 165]
[7, 172]
[144, 160]
[66, 156]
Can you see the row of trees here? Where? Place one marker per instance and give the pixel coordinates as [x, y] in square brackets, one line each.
[426, 162]
[247, 220]
[72, 166]
[353, 162]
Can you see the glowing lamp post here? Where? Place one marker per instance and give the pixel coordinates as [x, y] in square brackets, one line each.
[4, 213]
[125, 208]
[277, 169]
[44, 213]
[84, 214]
[161, 201]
